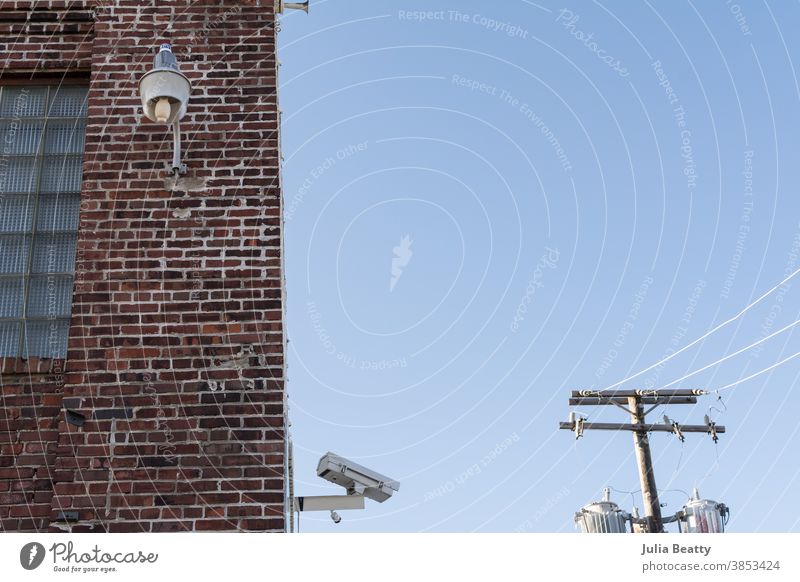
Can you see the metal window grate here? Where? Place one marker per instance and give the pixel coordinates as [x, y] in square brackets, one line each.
[64, 136]
[21, 137]
[13, 254]
[58, 212]
[42, 132]
[16, 213]
[23, 102]
[18, 174]
[11, 297]
[50, 295]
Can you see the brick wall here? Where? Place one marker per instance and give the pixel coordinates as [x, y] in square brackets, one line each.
[174, 374]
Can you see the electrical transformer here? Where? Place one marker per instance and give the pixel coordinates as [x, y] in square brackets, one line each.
[703, 516]
[602, 516]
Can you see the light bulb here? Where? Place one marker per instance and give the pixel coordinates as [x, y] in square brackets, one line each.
[163, 110]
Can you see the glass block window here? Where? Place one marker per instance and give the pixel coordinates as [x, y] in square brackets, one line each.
[42, 131]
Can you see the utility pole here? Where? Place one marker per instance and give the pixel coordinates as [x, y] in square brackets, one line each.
[641, 444]
[633, 402]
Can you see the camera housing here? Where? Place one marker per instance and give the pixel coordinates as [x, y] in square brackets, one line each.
[355, 478]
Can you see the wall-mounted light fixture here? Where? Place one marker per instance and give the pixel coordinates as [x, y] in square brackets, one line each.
[280, 6]
[165, 94]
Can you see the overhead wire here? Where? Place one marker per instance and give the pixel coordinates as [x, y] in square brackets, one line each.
[736, 353]
[631, 493]
[719, 399]
[705, 335]
[765, 370]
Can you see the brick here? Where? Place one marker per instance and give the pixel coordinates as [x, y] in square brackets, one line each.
[171, 311]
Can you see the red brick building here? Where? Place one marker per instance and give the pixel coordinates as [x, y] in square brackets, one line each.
[141, 318]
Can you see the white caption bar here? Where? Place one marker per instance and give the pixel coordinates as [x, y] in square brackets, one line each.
[389, 557]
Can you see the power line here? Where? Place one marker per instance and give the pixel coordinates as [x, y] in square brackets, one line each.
[704, 336]
[772, 367]
[744, 349]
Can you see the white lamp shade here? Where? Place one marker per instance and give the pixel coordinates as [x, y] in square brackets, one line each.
[164, 83]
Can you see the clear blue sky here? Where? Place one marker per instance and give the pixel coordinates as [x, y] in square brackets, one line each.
[494, 203]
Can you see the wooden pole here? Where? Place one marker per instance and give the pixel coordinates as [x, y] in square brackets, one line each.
[634, 402]
[647, 478]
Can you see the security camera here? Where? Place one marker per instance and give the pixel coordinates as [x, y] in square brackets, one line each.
[281, 5]
[355, 478]
[360, 483]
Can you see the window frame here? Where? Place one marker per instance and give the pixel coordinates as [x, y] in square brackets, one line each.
[32, 233]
